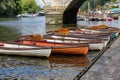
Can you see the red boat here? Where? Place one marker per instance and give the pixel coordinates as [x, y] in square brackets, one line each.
[60, 48]
[57, 48]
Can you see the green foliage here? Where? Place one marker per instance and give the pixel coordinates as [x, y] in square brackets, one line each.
[29, 6]
[13, 7]
[7, 8]
[85, 5]
[18, 7]
[94, 3]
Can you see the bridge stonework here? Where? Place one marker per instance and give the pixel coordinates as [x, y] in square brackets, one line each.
[61, 11]
[54, 14]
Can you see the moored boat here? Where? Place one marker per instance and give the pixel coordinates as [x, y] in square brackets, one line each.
[87, 33]
[83, 34]
[60, 48]
[73, 39]
[24, 50]
[94, 44]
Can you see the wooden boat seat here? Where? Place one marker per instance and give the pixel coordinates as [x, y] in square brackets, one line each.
[30, 37]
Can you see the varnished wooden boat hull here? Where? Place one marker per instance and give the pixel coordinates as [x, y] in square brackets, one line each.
[61, 48]
[85, 34]
[70, 50]
[94, 44]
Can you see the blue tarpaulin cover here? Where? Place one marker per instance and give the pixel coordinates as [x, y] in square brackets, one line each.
[115, 10]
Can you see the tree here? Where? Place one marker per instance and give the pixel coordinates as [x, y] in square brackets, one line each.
[29, 6]
[18, 7]
[93, 5]
[10, 8]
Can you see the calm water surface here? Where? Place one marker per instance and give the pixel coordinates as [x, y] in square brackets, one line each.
[56, 67]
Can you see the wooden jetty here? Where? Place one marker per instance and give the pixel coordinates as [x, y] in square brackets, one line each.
[106, 67]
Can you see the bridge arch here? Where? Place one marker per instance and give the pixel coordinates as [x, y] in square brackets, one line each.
[70, 13]
[68, 9]
[43, 3]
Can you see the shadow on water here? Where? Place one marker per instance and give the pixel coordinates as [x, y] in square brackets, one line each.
[8, 34]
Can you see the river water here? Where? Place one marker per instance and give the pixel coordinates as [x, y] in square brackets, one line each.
[56, 67]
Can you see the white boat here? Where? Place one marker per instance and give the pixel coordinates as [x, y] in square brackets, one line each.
[93, 44]
[24, 50]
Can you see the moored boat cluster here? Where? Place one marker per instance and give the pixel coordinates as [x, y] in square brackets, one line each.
[75, 41]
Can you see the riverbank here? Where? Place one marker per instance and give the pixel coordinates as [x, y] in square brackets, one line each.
[108, 66]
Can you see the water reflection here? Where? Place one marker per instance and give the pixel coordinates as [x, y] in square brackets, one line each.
[53, 27]
[8, 34]
[56, 67]
[22, 67]
[56, 27]
[31, 25]
[69, 60]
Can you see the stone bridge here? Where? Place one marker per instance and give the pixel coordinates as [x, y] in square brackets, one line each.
[61, 11]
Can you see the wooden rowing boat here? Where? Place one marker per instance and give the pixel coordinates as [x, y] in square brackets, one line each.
[24, 50]
[93, 44]
[60, 48]
[86, 33]
[89, 31]
[72, 39]
[104, 28]
[94, 33]
[81, 36]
